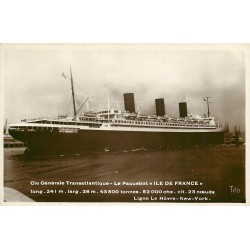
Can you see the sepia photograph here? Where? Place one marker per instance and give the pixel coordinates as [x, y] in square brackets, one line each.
[124, 123]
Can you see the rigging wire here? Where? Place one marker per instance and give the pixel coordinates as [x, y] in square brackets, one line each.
[80, 88]
[66, 103]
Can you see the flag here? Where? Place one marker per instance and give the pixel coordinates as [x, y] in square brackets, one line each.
[64, 75]
[204, 99]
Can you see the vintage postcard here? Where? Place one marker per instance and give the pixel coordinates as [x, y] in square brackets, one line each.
[124, 123]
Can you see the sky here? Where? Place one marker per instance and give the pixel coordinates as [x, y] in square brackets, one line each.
[34, 86]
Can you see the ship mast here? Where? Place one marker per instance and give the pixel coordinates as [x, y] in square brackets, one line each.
[72, 89]
[6, 127]
[206, 99]
[108, 108]
[73, 94]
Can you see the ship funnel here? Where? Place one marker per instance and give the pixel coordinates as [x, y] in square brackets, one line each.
[183, 109]
[129, 102]
[160, 107]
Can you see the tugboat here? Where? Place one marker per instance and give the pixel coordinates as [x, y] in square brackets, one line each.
[236, 138]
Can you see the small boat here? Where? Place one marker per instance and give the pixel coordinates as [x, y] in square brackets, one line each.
[236, 139]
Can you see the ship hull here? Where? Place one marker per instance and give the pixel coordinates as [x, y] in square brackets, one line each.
[87, 140]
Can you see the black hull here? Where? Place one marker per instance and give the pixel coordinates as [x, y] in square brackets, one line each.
[87, 140]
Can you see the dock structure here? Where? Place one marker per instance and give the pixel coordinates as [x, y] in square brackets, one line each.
[10, 142]
[12, 195]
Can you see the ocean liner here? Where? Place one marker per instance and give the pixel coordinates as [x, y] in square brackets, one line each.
[114, 129]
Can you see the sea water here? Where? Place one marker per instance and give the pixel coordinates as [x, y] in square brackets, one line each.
[140, 175]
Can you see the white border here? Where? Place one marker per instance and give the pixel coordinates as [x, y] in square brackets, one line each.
[125, 227]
